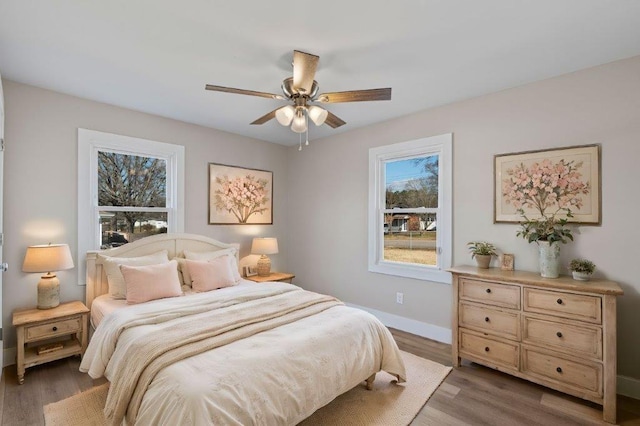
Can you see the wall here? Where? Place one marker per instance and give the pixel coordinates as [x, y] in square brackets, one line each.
[329, 192]
[40, 170]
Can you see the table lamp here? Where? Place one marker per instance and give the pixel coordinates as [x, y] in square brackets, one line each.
[264, 246]
[48, 258]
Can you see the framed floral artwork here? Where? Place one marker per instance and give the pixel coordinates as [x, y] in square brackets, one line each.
[240, 196]
[547, 183]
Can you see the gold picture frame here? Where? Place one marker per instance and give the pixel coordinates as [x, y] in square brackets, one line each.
[240, 196]
[548, 181]
[507, 263]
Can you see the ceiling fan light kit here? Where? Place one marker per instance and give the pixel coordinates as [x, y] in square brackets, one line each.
[302, 90]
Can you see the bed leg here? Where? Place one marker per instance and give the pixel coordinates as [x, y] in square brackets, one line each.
[370, 381]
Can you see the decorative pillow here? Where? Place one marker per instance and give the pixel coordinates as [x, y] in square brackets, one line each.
[145, 283]
[208, 255]
[183, 272]
[211, 274]
[117, 288]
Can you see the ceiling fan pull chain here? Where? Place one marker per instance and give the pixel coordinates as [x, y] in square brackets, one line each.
[300, 146]
[307, 132]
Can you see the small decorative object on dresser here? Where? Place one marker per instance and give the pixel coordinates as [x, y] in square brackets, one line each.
[582, 269]
[556, 333]
[284, 277]
[507, 262]
[66, 324]
[482, 251]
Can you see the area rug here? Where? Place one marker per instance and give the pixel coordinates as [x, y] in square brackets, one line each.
[387, 404]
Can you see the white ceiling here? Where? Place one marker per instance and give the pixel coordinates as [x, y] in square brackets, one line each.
[157, 55]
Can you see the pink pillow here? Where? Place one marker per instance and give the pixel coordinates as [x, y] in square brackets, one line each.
[211, 274]
[145, 283]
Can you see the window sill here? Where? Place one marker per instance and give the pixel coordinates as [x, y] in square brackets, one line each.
[412, 271]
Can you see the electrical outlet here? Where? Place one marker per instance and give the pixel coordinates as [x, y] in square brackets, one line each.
[400, 298]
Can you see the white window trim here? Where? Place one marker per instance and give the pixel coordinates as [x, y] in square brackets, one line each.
[89, 143]
[441, 145]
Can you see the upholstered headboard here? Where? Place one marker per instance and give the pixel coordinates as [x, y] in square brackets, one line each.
[175, 244]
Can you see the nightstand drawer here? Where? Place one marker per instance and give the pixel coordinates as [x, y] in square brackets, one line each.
[503, 295]
[53, 329]
[567, 305]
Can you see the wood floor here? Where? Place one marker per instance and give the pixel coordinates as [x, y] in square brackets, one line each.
[470, 395]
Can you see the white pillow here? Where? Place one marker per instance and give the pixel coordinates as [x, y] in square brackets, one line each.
[111, 265]
[145, 283]
[208, 255]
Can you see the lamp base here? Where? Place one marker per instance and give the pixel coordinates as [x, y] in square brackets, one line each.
[264, 266]
[48, 291]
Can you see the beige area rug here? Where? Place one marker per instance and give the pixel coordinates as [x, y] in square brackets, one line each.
[387, 404]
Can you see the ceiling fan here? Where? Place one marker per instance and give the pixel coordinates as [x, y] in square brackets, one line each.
[302, 91]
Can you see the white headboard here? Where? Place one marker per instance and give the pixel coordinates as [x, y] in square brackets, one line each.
[175, 244]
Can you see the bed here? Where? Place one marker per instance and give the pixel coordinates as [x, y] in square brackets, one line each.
[246, 354]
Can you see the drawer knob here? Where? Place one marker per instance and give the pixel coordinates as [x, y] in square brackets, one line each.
[55, 328]
[559, 334]
[559, 370]
[488, 290]
[486, 348]
[486, 319]
[559, 301]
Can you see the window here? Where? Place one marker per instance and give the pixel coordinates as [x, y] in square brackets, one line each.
[410, 208]
[128, 188]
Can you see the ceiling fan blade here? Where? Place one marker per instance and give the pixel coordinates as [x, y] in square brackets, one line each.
[334, 121]
[356, 96]
[304, 71]
[268, 116]
[242, 92]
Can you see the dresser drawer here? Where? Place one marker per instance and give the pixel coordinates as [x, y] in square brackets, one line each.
[568, 338]
[504, 354]
[501, 323]
[53, 329]
[566, 305]
[503, 295]
[583, 376]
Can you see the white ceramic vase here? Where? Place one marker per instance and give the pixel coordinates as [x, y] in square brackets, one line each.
[549, 259]
[580, 276]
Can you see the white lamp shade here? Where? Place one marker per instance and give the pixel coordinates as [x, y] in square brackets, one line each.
[264, 246]
[299, 124]
[318, 115]
[285, 115]
[47, 258]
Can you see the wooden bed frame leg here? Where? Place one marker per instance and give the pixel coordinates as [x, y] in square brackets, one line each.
[370, 381]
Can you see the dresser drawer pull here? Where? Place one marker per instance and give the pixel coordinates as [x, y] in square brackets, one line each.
[55, 328]
[488, 290]
[559, 301]
[486, 319]
[486, 348]
[559, 370]
[559, 334]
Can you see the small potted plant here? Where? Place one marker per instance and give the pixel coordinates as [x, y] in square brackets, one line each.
[482, 251]
[581, 269]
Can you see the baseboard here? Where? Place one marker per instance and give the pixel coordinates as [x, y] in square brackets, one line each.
[628, 386]
[419, 328]
[9, 357]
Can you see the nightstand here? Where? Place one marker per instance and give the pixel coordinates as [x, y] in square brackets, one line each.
[46, 335]
[284, 277]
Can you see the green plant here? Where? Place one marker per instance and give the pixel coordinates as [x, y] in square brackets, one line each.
[546, 228]
[481, 248]
[582, 265]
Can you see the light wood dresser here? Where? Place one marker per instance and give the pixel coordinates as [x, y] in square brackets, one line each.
[558, 332]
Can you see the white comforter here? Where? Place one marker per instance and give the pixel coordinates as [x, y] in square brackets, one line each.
[276, 376]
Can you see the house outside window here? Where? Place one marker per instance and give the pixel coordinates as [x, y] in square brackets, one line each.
[128, 188]
[410, 208]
